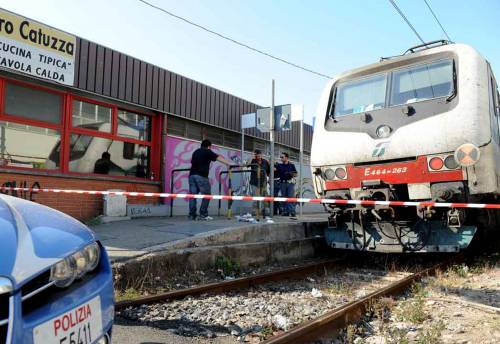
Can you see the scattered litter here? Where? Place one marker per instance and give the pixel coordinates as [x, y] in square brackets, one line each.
[281, 322]
[269, 221]
[310, 279]
[316, 293]
[360, 293]
[246, 218]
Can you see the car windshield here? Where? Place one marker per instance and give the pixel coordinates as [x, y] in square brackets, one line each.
[360, 95]
[422, 82]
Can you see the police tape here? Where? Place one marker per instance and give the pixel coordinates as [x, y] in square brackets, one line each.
[421, 204]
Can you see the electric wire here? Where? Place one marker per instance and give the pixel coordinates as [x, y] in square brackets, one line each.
[437, 20]
[405, 19]
[234, 40]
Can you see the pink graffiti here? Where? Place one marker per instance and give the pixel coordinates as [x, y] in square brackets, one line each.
[178, 156]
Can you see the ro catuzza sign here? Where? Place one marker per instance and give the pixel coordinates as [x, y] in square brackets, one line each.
[30, 47]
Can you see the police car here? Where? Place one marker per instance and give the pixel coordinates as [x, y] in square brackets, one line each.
[56, 283]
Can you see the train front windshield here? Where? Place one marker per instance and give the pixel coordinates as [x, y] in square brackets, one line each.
[407, 85]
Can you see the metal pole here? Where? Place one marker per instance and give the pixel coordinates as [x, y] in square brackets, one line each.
[271, 161]
[242, 145]
[301, 160]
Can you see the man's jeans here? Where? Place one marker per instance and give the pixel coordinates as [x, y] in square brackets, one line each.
[260, 208]
[288, 190]
[278, 206]
[199, 184]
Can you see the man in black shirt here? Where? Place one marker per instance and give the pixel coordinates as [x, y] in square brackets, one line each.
[260, 169]
[198, 177]
[287, 173]
[103, 165]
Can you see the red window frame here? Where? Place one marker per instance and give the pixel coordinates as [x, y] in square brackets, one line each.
[66, 128]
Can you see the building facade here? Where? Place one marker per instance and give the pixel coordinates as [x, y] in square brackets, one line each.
[64, 101]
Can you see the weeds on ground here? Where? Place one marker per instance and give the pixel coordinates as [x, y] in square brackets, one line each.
[460, 271]
[227, 266]
[396, 336]
[93, 222]
[128, 294]
[351, 332]
[339, 288]
[412, 310]
[382, 309]
[266, 332]
[431, 335]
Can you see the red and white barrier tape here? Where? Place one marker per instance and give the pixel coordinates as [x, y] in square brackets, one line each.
[257, 198]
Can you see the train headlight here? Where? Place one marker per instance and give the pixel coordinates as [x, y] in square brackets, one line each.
[436, 163]
[450, 162]
[340, 173]
[330, 174]
[383, 131]
[467, 155]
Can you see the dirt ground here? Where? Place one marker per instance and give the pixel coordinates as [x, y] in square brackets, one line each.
[460, 305]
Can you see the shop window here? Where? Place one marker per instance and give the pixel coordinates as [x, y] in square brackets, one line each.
[194, 131]
[33, 104]
[176, 126]
[91, 154]
[134, 126]
[91, 116]
[249, 144]
[41, 153]
[215, 135]
[232, 140]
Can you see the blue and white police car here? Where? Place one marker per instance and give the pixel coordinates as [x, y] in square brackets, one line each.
[56, 282]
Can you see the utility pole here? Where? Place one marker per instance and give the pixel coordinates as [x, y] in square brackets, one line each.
[301, 162]
[271, 161]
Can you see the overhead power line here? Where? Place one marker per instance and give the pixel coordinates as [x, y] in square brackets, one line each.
[234, 40]
[437, 20]
[406, 20]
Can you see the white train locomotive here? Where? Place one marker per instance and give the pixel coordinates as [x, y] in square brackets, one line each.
[420, 126]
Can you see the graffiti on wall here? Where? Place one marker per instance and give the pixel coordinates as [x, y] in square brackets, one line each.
[29, 195]
[178, 156]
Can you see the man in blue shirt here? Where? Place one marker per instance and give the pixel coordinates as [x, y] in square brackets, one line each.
[287, 173]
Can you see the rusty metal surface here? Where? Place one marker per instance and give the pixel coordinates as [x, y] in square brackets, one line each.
[238, 283]
[328, 325]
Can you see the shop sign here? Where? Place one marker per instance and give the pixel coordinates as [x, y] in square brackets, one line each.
[30, 47]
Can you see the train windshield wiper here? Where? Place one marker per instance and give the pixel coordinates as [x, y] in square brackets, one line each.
[454, 93]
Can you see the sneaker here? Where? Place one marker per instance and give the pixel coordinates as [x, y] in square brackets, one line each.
[205, 218]
[293, 217]
[192, 217]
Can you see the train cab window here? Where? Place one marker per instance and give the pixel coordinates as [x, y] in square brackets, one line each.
[422, 82]
[360, 95]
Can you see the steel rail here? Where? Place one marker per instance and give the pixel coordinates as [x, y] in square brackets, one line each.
[330, 323]
[238, 283]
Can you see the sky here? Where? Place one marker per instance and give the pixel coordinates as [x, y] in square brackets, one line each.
[328, 36]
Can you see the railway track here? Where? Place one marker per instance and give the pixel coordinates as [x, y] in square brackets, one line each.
[235, 284]
[326, 325]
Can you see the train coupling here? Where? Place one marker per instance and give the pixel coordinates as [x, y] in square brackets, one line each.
[455, 218]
